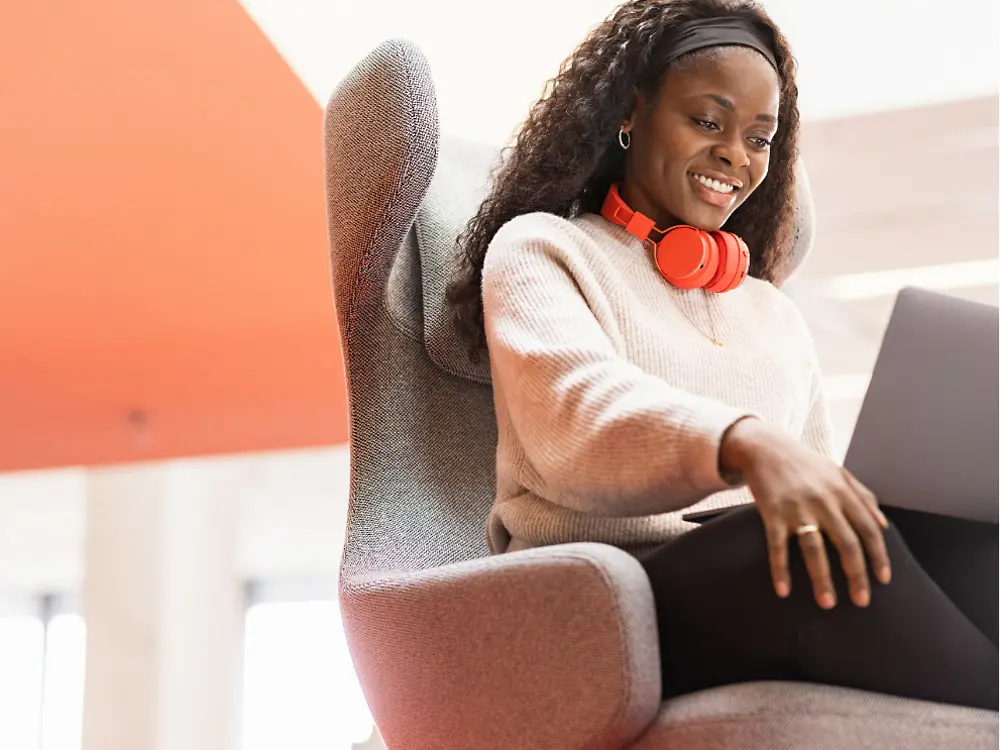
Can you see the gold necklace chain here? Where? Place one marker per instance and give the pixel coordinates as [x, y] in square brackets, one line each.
[711, 318]
[708, 307]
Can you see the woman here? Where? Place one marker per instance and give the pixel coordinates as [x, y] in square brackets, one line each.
[623, 397]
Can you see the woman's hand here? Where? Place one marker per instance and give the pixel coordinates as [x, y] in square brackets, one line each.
[803, 494]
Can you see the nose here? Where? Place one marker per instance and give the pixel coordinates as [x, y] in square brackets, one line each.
[732, 152]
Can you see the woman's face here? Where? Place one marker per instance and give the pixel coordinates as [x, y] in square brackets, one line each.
[703, 146]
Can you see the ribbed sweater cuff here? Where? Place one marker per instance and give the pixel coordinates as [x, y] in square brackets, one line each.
[713, 419]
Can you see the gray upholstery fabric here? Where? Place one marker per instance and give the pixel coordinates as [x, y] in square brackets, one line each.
[553, 647]
[426, 629]
[784, 716]
[455, 193]
[422, 441]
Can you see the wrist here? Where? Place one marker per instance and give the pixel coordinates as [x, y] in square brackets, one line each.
[741, 445]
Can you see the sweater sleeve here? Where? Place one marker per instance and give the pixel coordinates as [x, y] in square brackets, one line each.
[601, 435]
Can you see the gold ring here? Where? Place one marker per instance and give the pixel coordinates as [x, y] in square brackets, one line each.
[809, 528]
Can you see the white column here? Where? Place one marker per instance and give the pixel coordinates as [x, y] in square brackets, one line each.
[162, 601]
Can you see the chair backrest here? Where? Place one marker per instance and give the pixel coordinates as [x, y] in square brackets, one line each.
[422, 430]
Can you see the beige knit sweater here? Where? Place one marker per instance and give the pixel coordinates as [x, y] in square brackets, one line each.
[611, 399]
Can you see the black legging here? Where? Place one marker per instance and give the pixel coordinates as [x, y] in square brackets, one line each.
[930, 634]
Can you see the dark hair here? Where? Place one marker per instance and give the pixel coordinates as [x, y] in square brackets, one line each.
[566, 154]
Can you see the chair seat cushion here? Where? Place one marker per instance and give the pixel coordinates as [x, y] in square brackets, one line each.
[781, 715]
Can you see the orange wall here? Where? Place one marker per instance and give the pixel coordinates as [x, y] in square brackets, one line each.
[162, 238]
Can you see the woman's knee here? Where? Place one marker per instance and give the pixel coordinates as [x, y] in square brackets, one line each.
[895, 545]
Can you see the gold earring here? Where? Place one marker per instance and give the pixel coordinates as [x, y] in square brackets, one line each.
[624, 138]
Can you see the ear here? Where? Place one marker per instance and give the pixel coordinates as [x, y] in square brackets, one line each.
[640, 104]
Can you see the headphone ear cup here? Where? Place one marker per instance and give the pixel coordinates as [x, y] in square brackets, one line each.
[734, 263]
[687, 257]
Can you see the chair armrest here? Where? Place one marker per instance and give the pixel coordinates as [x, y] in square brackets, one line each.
[554, 647]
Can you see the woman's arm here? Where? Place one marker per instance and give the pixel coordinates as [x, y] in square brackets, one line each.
[602, 435]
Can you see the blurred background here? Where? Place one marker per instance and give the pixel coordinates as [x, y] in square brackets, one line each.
[173, 458]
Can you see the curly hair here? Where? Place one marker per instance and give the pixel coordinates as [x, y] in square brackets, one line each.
[566, 156]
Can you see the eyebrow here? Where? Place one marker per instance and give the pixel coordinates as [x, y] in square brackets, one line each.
[728, 104]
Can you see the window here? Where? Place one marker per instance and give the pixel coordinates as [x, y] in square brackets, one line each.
[42, 648]
[299, 686]
[62, 694]
[22, 645]
[300, 689]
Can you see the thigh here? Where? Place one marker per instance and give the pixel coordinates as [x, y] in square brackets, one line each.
[720, 622]
[961, 556]
[719, 619]
[910, 641]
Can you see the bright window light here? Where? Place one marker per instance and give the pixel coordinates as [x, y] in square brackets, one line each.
[300, 689]
[846, 387]
[62, 700]
[22, 642]
[886, 283]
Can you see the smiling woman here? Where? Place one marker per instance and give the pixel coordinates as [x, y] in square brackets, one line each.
[638, 370]
[625, 77]
[702, 142]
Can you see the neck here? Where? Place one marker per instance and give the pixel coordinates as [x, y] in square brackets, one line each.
[638, 200]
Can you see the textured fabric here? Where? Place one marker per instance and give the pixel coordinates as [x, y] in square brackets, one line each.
[426, 613]
[550, 648]
[421, 624]
[797, 716]
[422, 441]
[610, 396]
[458, 188]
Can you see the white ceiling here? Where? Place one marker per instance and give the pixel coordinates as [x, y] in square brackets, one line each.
[490, 60]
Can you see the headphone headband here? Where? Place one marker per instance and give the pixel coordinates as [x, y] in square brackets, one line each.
[637, 224]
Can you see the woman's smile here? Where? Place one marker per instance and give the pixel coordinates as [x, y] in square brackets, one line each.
[718, 191]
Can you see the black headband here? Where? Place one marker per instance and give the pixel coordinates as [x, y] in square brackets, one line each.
[718, 32]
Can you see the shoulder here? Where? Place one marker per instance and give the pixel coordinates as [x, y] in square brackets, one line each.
[546, 239]
[771, 301]
[537, 229]
[532, 226]
[780, 316]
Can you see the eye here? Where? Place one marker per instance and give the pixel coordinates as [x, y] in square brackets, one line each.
[760, 143]
[704, 124]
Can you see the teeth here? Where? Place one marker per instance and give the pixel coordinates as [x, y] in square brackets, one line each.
[719, 187]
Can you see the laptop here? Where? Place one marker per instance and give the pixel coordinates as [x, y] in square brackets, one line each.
[926, 438]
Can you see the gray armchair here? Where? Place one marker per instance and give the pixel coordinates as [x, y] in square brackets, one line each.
[546, 648]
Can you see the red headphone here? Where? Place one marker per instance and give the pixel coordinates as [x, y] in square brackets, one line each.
[689, 258]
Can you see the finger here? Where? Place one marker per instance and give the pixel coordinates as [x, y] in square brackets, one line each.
[852, 555]
[777, 553]
[814, 554]
[868, 498]
[872, 539]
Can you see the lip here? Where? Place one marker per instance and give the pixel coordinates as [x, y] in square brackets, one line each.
[722, 200]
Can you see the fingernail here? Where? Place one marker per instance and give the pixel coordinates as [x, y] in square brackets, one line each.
[782, 588]
[826, 601]
[862, 598]
[883, 520]
[884, 575]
